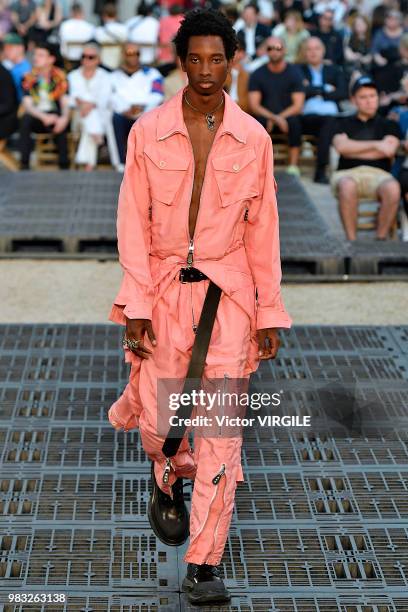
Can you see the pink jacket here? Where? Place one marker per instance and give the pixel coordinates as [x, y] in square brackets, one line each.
[236, 240]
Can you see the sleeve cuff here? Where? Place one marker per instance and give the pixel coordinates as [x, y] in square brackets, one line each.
[271, 317]
[136, 310]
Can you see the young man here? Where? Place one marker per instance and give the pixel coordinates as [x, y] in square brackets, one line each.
[46, 105]
[367, 144]
[276, 97]
[197, 202]
[136, 89]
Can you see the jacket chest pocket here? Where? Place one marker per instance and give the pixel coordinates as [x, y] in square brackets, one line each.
[237, 176]
[166, 172]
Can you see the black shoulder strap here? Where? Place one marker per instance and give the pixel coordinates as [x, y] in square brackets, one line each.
[196, 366]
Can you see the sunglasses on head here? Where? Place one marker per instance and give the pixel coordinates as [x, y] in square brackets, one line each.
[274, 48]
[88, 56]
[132, 52]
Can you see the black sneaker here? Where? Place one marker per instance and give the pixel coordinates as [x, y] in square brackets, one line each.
[321, 177]
[169, 518]
[204, 584]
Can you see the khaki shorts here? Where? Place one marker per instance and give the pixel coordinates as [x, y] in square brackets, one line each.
[368, 180]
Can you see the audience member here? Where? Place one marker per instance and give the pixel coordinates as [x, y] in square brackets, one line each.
[174, 81]
[325, 86]
[337, 7]
[385, 50]
[281, 7]
[331, 39]
[253, 33]
[15, 60]
[276, 97]
[385, 42]
[136, 89]
[237, 81]
[90, 90]
[292, 31]
[48, 19]
[112, 33]
[8, 104]
[397, 80]
[46, 104]
[75, 30]
[168, 27]
[23, 16]
[367, 143]
[143, 30]
[357, 45]
[6, 23]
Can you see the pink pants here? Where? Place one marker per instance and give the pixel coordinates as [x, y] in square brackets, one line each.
[212, 504]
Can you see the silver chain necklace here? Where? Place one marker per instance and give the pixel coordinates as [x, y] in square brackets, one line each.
[210, 117]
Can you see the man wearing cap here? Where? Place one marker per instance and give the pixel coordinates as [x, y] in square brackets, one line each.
[367, 144]
[15, 61]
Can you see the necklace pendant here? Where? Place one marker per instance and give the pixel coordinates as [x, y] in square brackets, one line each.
[210, 121]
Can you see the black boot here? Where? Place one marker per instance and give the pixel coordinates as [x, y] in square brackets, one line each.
[169, 518]
[204, 584]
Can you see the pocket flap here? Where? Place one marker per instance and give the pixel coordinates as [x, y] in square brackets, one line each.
[165, 160]
[234, 162]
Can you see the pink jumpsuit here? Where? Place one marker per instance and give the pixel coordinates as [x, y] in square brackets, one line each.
[236, 244]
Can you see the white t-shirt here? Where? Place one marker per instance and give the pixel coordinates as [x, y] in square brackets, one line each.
[144, 30]
[75, 30]
[142, 88]
[111, 32]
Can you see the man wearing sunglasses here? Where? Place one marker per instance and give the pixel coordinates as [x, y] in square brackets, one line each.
[276, 97]
[136, 89]
[89, 89]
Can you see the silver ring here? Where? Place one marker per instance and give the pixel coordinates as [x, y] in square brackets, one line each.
[132, 344]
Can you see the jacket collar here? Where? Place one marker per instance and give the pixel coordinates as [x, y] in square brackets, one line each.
[171, 120]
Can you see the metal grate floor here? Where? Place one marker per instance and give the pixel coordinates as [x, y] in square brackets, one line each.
[320, 523]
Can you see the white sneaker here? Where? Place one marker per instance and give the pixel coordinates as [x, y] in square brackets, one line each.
[293, 170]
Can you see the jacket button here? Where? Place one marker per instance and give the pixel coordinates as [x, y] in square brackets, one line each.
[235, 167]
[162, 163]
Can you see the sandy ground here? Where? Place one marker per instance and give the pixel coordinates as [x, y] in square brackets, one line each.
[34, 291]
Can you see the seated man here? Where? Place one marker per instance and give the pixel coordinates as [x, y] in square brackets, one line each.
[253, 33]
[75, 30]
[276, 97]
[367, 144]
[325, 86]
[90, 88]
[135, 90]
[46, 105]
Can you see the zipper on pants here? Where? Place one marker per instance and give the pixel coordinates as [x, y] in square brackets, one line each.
[215, 480]
[167, 470]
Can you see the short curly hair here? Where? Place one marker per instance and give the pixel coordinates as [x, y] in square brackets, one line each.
[205, 22]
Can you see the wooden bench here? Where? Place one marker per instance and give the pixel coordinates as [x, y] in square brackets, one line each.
[6, 158]
[308, 150]
[46, 151]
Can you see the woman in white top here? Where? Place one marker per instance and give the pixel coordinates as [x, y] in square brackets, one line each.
[90, 89]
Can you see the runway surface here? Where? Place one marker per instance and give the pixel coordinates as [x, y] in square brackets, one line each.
[321, 521]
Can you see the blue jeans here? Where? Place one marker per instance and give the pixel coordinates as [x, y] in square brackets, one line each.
[121, 126]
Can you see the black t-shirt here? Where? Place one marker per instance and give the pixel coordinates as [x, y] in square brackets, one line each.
[375, 128]
[276, 87]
